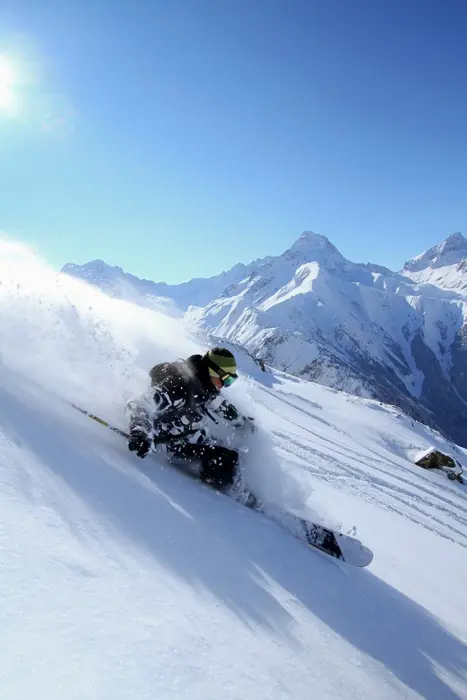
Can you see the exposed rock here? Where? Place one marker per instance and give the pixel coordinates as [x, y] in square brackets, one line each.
[437, 460]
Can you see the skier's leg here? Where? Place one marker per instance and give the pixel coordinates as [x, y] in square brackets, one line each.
[218, 463]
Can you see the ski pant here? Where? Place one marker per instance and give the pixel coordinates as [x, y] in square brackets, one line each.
[218, 463]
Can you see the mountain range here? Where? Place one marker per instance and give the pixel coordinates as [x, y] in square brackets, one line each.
[398, 337]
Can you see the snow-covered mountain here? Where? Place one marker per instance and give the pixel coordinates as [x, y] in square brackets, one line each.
[123, 579]
[123, 285]
[444, 265]
[361, 328]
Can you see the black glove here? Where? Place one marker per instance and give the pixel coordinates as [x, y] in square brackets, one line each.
[228, 411]
[139, 443]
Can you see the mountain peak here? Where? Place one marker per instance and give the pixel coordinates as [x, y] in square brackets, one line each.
[456, 241]
[312, 246]
[95, 269]
[452, 251]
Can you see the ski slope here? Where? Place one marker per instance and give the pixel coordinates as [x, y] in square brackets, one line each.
[122, 578]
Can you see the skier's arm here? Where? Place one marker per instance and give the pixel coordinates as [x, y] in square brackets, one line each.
[139, 413]
[166, 401]
[170, 419]
[140, 426]
[154, 415]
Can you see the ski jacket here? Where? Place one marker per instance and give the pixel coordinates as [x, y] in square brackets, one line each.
[181, 397]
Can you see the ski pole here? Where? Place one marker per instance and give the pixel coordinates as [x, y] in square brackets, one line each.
[101, 421]
[171, 438]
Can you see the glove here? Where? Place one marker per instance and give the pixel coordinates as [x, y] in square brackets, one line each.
[140, 444]
[228, 411]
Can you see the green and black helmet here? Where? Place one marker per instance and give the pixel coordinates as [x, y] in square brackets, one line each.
[221, 364]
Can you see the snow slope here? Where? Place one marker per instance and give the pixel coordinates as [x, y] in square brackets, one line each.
[122, 578]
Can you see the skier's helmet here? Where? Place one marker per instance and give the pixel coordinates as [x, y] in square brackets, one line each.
[221, 364]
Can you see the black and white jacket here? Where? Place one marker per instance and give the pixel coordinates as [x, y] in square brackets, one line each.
[181, 397]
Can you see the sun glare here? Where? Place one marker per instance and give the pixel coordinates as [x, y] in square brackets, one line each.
[8, 79]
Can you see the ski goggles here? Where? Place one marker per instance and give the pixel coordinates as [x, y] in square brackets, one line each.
[226, 378]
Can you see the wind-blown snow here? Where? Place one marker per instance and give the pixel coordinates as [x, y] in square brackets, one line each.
[74, 339]
[122, 578]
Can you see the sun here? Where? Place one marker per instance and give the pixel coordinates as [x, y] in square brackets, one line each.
[8, 79]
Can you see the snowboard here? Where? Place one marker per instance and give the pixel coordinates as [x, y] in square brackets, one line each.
[336, 544]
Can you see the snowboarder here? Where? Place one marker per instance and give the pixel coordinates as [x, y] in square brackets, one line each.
[175, 409]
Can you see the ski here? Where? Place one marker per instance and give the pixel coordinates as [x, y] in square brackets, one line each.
[334, 544]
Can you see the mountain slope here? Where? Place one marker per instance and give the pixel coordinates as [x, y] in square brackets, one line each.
[356, 327]
[124, 579]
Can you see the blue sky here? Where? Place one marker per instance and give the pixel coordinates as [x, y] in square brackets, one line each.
[178, 137]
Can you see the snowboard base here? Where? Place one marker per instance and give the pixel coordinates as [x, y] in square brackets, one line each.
[335, 544]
